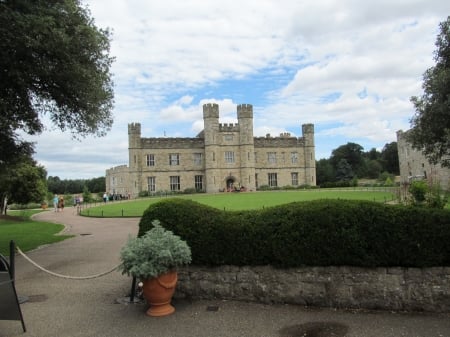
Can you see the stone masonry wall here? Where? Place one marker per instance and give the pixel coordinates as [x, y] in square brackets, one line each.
[410, 289]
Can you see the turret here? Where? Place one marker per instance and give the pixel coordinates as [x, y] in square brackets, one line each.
[246, 146]
[245, 121]
[134, 135]
[211, 122]
[308, 134]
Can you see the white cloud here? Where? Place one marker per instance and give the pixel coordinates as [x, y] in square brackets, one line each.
[349, 67]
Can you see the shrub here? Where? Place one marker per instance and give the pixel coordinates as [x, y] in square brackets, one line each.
[314, 233]
[154, 253]
[418, 190]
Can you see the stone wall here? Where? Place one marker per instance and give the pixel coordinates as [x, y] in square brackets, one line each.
[410, 289]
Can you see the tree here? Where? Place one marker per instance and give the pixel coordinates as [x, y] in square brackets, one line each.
[96, 185]
[53, 61]
[324, 171]
[389, 157]
[344, 171]
[25, 182]
[374, 169]
[431, 123]
[353, 155]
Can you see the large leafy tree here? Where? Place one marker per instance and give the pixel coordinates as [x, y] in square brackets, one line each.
[431, 123]
[353, 155]
[389, 158]
[54, 62]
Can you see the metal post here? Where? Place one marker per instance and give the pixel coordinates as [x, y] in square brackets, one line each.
[12, 255]
[133, 289]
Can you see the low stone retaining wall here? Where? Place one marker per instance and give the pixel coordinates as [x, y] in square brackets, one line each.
[410, 289]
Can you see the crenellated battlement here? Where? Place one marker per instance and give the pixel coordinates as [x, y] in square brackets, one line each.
[308, 128]
[277, 142]
[172, 143]
[245, 111]
[134, 128]
[211, 110]
[228, 127]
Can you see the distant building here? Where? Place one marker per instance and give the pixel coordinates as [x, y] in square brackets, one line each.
[415, 166]
[223, 157]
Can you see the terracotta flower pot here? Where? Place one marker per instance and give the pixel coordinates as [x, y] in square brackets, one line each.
[158, 292]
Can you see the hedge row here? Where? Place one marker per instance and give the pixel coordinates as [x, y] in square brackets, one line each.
[314, 233]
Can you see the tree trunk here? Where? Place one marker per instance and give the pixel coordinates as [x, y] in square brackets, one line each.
[4, 205]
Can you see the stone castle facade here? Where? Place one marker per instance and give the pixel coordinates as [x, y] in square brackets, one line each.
[223, 157]
[415, 166]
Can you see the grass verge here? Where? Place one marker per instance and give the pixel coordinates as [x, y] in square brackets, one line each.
[238, 201]
[26, 233]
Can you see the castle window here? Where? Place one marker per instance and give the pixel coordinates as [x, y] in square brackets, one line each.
[272, 157]
[294, 179]
[198, 183]
[272, 178]
[151, 184]
[174, 159]
[150, 159]
[174, 183]
[294, 157]
[256, 157]
[229, 156]
[198, 158]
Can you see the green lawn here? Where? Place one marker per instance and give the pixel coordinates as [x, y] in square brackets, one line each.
[26, 233]
[239, 201]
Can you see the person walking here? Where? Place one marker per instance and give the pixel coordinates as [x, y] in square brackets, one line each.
[55, 203]
[61, 203]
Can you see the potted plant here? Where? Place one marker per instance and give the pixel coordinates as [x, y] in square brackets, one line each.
[153, 258]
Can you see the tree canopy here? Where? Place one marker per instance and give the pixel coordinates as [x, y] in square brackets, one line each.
[54, 62]
[431, 123]
[54, 65]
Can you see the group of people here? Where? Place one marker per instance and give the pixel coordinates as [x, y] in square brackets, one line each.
[58, 203]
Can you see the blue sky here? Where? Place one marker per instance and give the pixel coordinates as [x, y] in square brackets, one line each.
[349, 67]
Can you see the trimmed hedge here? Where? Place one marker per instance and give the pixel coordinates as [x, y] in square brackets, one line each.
[313, 233]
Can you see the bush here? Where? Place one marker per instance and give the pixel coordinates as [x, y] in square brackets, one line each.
[314, 233]
[418, 190]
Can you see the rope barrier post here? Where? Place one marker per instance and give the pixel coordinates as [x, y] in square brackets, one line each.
[133, 289]
[12, 255]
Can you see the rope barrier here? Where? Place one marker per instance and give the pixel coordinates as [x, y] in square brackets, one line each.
[65, 276]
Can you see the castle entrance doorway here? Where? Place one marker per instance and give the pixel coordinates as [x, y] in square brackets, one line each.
[230, 184]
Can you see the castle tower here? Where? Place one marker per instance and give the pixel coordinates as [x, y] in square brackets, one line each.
[246, 145]
[211, 134]
[310, 160]
[135, 158]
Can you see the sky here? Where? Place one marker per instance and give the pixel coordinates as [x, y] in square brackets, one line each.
[349, 67]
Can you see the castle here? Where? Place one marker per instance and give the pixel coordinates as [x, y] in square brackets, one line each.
[223, 157]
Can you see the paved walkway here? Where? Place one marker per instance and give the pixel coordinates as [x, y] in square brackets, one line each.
[70, 308]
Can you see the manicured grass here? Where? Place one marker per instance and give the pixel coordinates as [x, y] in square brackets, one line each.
[26, 233]
[239, 201]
